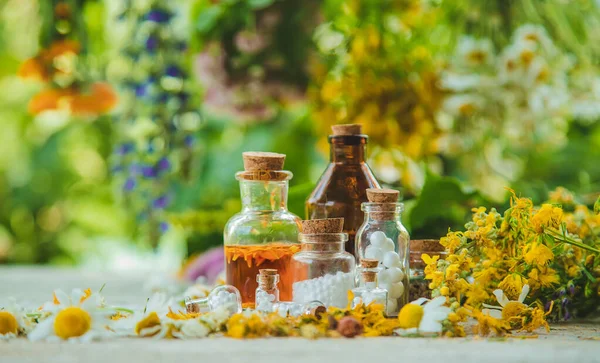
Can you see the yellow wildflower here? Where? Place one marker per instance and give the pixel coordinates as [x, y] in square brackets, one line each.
[542, 277]
[538, 253]
[512, 285]
[535, 318]
[548, 216]
[451, 241]
[487, 324]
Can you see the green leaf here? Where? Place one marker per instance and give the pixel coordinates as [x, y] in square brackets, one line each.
[208, 18]
[597, 206]
[259, 4]
[444, 203]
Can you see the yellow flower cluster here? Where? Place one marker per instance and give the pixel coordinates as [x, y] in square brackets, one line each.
[553, 252]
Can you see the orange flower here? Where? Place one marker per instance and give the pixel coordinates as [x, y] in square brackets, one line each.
[32, 68]
[100, 99]
[40, 66]
[50, 99]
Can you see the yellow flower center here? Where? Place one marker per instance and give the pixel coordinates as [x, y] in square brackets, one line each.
[72, 322]
[512, 309]
[8, 323]
[410, 316]
[149, 321]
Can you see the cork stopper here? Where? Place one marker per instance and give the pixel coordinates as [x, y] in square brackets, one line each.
[328, 225]
[382, 195]
[257, 161]
[267, 279]
[318, 311]
[369, 276]
[347, 129]
[369, 263]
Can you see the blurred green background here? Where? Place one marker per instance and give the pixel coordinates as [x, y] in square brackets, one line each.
[130, 138]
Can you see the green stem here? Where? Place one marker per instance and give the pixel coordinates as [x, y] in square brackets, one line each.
[562, 238]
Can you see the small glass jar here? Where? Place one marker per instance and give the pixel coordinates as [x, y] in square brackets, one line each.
[264, 235]
[323, 270]
[419, 287]
[267, 293]
[383, 237]
[368, 292]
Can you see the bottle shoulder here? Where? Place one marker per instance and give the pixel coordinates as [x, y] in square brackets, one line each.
[344, 182]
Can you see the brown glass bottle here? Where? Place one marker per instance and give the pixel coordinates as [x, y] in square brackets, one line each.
[342, 187]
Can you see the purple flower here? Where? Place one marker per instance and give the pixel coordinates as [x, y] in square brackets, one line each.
[173, 71]
[548, 306]
[189, 140]
[571, 287]
[125, 148]
[158, 16]
[151, 43]
[163, 164]
[161, 202]
[148, 172]
[164, 226]
[140, 90]
[129, 184]
[209, 264]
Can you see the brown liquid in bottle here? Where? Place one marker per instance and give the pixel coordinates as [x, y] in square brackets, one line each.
[244, 261]
[342, 187]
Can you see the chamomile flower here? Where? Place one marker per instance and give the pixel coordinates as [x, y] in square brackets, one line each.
[508, 308]
[13, 321]
[75, 317]
[423, 316]
[147, 321]
[191, 328]
[475, 52]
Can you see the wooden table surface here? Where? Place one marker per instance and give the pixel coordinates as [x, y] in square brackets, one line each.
[576, 343]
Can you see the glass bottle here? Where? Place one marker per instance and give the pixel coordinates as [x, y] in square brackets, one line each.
[264, 235]
[368, 292]
[223, 296]
[419, 287]
[341, 189]
[267, 293]
[383, 237]
[323, 270]
[314, 308]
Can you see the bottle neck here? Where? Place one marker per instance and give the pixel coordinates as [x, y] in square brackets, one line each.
[264, 195]
[348, 149]
[323, 247]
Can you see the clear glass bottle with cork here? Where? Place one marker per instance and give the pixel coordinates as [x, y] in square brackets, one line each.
[323, 270]
[264, 235]
[225, 297]
[267, 293]
[368, 292]
[341, 189]
[383, 237]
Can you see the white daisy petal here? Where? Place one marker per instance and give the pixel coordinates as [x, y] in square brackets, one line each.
[42, 330]
[524, 293]
[430, 326]
[493, 313]
[501, 297]
[62, 297]
[435, 303]
[420, 301]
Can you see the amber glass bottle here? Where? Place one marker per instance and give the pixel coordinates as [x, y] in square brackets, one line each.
[342, 188]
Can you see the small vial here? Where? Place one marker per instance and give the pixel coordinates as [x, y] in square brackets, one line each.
[224, 296]
[267, 293]
[369, 292]
[314, 308]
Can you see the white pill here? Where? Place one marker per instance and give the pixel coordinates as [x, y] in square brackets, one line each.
[392, 307]
[384, 277]
[388, 245]
[395, 274]
[377, 239]
[391, 259]
[396, 290]
[374, 253]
